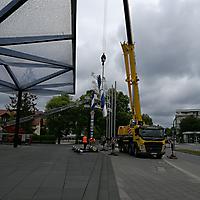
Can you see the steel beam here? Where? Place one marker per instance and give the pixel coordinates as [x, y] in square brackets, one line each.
[33, 39]
[8, 85]
[43, 79]
[53, 85]
[25, 56]
[5, 90]
[10, 8]
[46, 92]
[13, 77]
[11, 74]
[33, 65]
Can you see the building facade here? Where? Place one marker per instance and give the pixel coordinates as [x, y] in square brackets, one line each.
[180, 115]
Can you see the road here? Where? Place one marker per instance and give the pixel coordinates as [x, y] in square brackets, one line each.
[55, 172]
[158, 179]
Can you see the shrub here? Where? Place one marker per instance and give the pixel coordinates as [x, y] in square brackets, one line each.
[45, 139]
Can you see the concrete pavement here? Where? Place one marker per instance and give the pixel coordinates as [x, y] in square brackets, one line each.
[54, 172]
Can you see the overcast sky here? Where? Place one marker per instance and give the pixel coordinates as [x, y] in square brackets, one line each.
[167, 37]
[166, 33]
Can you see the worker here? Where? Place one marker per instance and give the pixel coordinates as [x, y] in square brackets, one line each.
[103, 142]
[113, 141]
[113, 146]
[92, 141]
[172, 144]
[84, 140]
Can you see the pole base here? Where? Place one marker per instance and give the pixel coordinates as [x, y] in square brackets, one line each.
[172, 156]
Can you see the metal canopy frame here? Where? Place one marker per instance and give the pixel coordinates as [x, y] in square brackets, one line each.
[35, 61]
[12, 57]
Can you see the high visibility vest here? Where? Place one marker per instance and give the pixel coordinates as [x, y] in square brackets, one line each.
[84, 139]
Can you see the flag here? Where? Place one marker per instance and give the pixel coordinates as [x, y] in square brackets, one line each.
[103, 104]
[93, 100]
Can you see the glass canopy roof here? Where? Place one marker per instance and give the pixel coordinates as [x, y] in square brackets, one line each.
[37, 46]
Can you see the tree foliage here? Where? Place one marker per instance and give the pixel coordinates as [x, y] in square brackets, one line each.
[168, 131]
[190, 124]
[147, 119]
[77, 119]
[58, 101]
[28, 107]
[123, 113]
[58, 122]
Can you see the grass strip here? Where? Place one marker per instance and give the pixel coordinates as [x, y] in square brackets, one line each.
[193, 152]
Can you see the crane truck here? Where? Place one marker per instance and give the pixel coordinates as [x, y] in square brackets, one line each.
[137, 138]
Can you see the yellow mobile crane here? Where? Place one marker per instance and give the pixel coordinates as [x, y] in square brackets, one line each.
[137, 138]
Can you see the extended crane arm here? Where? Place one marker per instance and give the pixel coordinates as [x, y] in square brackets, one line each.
[130, 64]
[128, 22]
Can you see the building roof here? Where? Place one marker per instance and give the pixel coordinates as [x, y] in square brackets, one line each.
[188, 110]
[3, 112]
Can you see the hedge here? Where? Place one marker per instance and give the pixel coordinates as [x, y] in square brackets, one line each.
[45, 139]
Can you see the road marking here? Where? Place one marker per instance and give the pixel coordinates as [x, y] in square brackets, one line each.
[184, 171]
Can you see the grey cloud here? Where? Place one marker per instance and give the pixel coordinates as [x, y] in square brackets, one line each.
[166, 41]
[167, 52]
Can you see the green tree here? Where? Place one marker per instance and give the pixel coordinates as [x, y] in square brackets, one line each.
[168, 131]
[28, 107]
[84, 116]
[147, 119]
[60, 122]
[123, 113]
[58, 101]
[190, 124]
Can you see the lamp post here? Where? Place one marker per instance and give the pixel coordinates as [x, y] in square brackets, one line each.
[174, 140]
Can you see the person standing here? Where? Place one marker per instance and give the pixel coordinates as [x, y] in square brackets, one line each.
[84, 140]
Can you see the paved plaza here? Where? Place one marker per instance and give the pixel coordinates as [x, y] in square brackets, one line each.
[55, 172]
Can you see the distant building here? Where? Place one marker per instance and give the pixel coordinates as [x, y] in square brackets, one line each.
[5, 116]
[180, 115]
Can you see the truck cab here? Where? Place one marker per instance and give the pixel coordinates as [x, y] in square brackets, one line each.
[142, 140]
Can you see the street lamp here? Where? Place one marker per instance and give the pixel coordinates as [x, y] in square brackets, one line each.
[173, 139]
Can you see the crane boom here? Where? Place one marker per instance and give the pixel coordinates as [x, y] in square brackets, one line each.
[130, 64]
[128, 22]
[137, 138]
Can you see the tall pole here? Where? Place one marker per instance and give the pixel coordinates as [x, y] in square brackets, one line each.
[107, 124]
[92, 124]
[16, 135]
[173, 156]
[108, 114]
[107, 117]
[111, 112]
[174, 134]
[115, 106]
[103, 60]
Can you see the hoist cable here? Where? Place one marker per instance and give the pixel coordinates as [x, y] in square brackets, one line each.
[104, 25]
